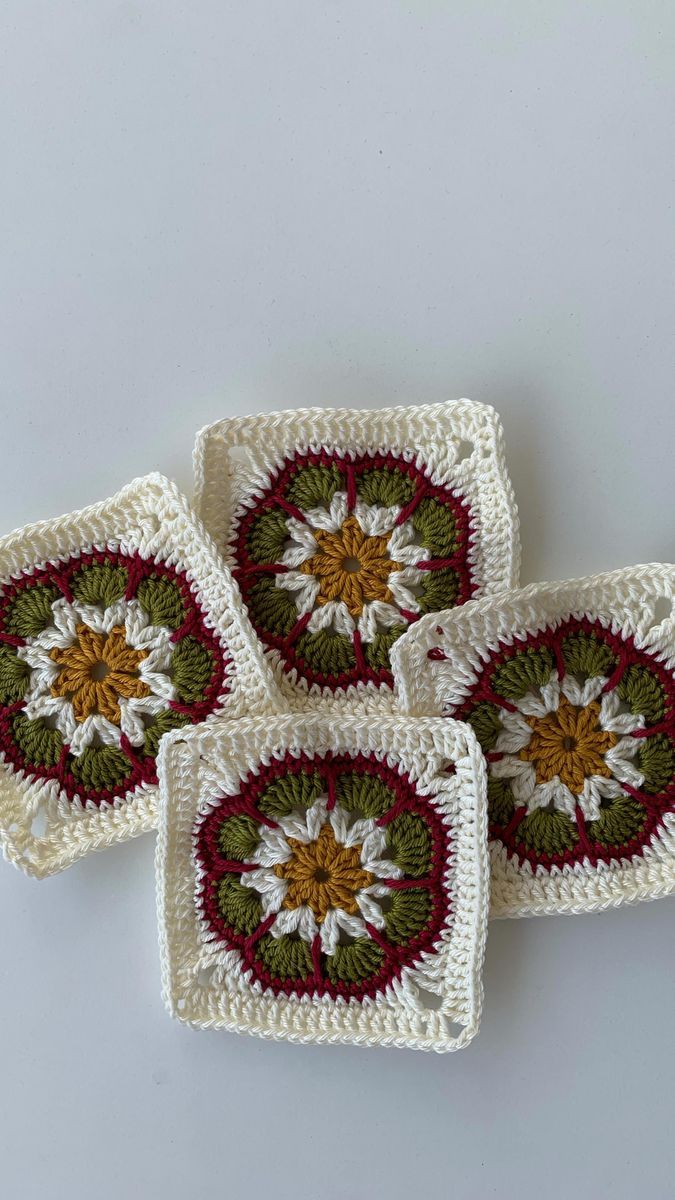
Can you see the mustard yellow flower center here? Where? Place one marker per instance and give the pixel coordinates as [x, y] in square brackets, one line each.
[96, 670]
[351, 566]
[324, 875]
[569, 743]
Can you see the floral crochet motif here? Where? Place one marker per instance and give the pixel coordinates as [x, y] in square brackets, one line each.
[341, 553]
[101, 654]
[578, 729]
[325, 880]
[351, 566]
[96, 670]
[570, 689]
[569, 743]
[325, 874]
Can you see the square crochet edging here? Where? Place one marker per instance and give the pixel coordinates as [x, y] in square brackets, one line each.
[352, 947]
[343, 527]
[570, 688]
[117, 622]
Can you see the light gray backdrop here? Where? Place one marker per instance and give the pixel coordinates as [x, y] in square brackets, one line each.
[221, 208]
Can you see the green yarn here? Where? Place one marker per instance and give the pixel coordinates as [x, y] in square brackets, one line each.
[656, 761]
[285, 957]
[267, 537]
[100, 583]
[162, 723]
[586, 655]
[271, 607]
[31, 610]
[38, 743]
[314, 487]
[101, 767]
[385, 488]
[641, 690]
[14, 674]
[290, 793]
[326, 652]
[238, 837]
[486, 724]
[408, 915]
[191, 670]
[409, 842]
[240, 907]
[363, 794]
[547, 831]
[436, 527]
[355, 962]
[522, 672]
[162, 600]
[440, 589]
[376, 653]
[501, 804]
[618, 823]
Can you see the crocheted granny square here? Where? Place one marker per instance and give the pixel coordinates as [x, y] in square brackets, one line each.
[343, 527]
[117, 623]
[570, 688]
[323, 882]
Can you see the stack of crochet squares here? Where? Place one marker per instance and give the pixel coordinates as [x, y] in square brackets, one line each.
[356, 735]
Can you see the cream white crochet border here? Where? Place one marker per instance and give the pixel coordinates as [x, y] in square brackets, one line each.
[460, 442]
[151, 517]
[201, 984]
[627, 602]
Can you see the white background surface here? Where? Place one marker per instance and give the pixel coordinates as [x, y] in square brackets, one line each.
[220, 208]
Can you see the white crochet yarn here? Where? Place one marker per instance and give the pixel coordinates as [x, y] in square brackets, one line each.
[437, 665]
[434, 1004]
[458, 445]
[41, 829]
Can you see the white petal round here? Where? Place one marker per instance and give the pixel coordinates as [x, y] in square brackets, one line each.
[292, 920]
[521, 775]
[515, 733]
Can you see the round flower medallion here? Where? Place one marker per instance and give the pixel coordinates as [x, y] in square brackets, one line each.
[325, 874]
[101, 654]
[340, 554]
[578, 726]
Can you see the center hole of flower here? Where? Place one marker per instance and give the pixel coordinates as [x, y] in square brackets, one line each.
[99, 671]
[351, 564]
[321, 875]
[569, 743]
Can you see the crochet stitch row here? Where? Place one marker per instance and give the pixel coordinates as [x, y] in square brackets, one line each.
[341, 879]
[342, 536]
[570, 689]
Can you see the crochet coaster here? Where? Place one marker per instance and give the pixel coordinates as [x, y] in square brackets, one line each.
[325, 883]
[117, 623]
[570, 689]
[344, 527]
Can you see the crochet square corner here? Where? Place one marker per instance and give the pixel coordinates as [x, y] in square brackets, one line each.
[325, 883]
[570, 689]
[117, 624]
[344, 527]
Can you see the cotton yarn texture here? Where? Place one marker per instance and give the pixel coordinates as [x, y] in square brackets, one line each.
[356, 734]
[343, 527]
[117, 623]
[324, 883]
[570, 688]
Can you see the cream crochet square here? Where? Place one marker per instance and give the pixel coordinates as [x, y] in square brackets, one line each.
[117, 623]
[570, 689]
[323, 881]
[344, 527]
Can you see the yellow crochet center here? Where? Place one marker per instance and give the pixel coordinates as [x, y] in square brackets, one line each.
[569, 743]
[96, 670]
[324, 875]
[352, 566]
